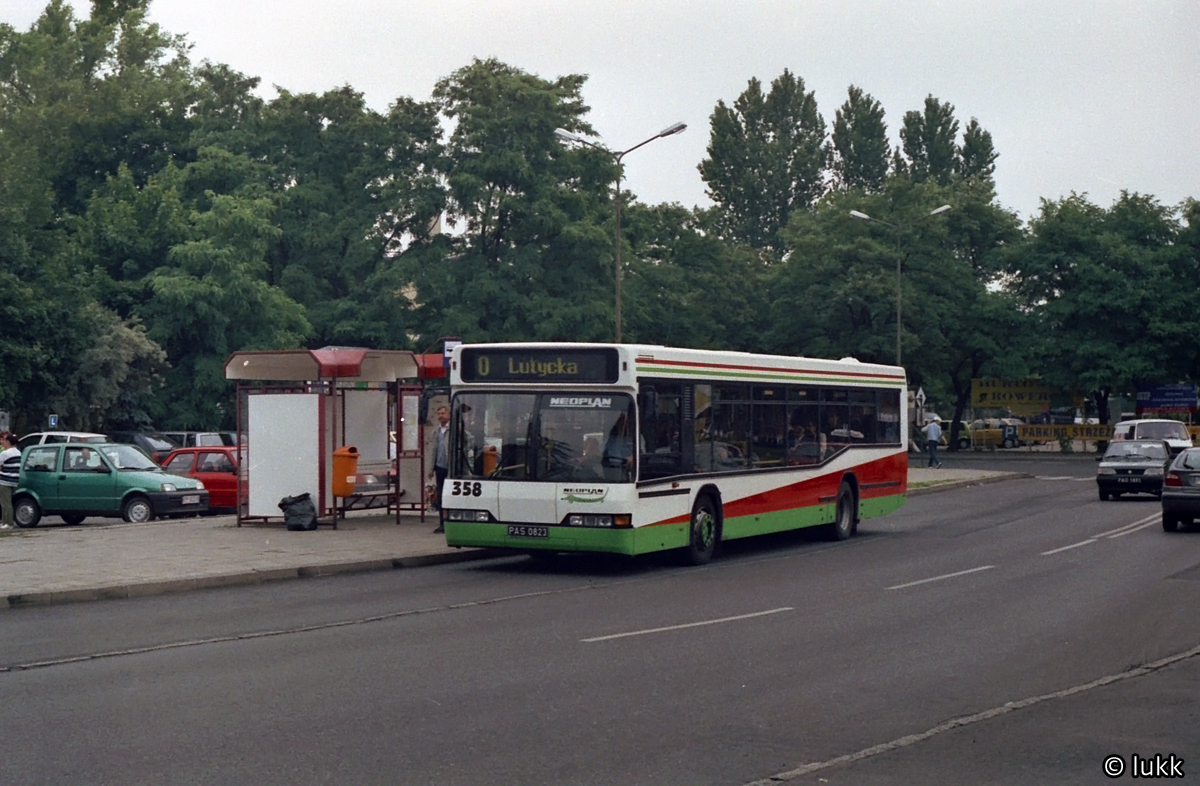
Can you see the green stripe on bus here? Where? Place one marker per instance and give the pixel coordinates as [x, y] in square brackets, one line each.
[880, 506]
[644, 540]
[777, 521]
[783, 520]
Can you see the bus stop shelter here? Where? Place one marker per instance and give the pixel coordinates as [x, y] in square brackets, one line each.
[296, 407]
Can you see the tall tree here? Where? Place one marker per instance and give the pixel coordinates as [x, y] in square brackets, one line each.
[767, 157]
[351, 186]
[534, 261]
[977, 157]
[1111, 289]
[860, 148]
[841, 275]
[929, 142]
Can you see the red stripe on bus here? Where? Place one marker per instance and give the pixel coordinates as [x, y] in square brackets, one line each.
[883, 477]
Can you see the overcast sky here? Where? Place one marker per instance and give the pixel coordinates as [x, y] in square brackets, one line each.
[1091, 96]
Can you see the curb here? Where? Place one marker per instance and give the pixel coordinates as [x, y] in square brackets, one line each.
[958, 484]
[151, 588]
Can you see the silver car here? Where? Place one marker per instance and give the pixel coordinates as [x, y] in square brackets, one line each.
[1181, 490]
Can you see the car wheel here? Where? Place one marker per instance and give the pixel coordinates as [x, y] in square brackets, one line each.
[73, 519]
[1103, 495]
[702, 538]
[1170, 523]
[843, 526]
[137, 510]
[964, 444]
[1008, 443]
[26, 512]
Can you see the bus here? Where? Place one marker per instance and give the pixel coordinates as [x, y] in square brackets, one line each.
[631, 449]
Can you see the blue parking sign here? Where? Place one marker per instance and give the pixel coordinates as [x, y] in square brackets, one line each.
[54, 421]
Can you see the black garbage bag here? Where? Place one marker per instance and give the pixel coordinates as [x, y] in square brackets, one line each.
[299, 513]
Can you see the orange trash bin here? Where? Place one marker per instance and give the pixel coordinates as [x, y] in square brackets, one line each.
[345, 469]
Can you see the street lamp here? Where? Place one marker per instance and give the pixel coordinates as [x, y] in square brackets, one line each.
[899, 230]
[567, 136]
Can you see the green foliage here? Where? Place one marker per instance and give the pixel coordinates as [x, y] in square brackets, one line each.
[534, 260]
[767, 157]
[211, 300]
[687, 287]
[1111, 292]
[156, 216]
[928, 139]
[860, 148]
[112, 383]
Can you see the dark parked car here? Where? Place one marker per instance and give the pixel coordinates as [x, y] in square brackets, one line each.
[1054, 417]
[1133, 466]
[1181, 490]
[156, 446]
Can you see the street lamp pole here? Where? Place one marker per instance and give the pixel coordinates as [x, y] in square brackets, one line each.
[617, 155]
[899, 230]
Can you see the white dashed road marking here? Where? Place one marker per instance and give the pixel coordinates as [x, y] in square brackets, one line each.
[939, 578]
[687, 625]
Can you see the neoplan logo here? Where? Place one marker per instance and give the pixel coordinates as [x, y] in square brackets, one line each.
[581, 402]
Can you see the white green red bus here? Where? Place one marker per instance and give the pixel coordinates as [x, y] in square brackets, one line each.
[729, 445]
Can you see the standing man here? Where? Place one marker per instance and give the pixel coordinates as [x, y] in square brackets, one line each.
[441, 460]
[933, 433]
[10, 474]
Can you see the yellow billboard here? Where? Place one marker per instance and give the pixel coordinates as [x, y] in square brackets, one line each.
[1018, 396]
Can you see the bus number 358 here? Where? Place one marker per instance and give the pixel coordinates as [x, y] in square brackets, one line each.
[466, 489]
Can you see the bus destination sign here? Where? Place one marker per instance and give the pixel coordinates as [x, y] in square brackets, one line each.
[480, 364]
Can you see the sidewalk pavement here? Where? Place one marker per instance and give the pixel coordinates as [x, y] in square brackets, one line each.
[63, 564]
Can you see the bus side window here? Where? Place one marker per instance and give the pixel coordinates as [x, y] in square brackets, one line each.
[660, 443]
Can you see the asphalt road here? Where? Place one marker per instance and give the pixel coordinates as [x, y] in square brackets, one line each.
[892, 658]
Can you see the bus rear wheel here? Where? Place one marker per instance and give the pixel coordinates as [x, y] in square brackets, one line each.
[844, 525]
[702, 539]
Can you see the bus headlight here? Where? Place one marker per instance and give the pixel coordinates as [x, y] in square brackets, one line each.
[468, 515]
[602, 520]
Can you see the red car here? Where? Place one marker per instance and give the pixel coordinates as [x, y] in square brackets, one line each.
[215, 467]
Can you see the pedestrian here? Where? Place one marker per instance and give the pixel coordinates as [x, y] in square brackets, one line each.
[933, 433]
[10, 474]
[441, 461]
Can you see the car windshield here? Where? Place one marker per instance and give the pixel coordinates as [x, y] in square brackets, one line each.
[1189, 459]
[1135, 451]
[566, 437]
[1165, 430]
[127, 457]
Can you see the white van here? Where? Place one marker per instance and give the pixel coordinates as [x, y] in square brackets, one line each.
[1172, 431]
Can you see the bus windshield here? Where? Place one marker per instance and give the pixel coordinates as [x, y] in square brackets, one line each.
[562, 437]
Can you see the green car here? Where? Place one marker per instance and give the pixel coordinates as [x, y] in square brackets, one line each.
[76, 480]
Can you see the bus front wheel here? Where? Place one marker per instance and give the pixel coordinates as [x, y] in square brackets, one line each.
[702, 540]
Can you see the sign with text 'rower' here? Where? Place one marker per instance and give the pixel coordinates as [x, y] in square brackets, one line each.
[1018, 396]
